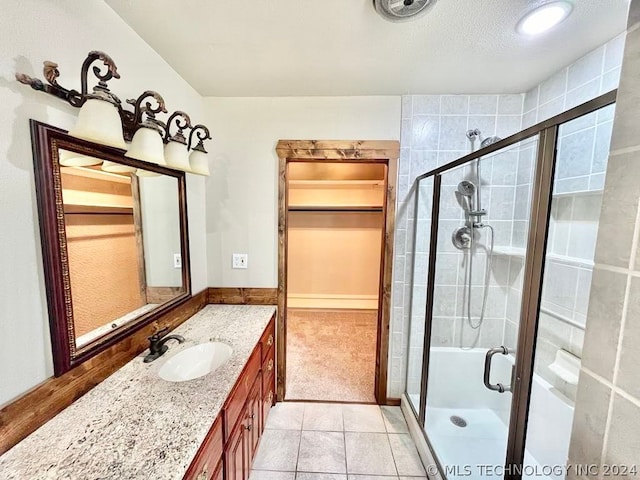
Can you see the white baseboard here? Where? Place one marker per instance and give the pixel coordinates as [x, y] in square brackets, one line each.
[352, 302]
[421, 443]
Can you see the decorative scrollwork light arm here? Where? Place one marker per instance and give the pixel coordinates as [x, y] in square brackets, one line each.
[186, 123]
[202, 132]
[75, 98]
[147, 108]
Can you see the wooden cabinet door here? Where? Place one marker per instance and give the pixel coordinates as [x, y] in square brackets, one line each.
[254, 404]
[218, 473]
[209, 454]
[268, 392]
[236, 461]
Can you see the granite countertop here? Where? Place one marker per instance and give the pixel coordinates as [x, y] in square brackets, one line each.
[134, 425]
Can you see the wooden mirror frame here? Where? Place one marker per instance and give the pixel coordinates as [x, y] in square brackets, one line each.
[46, 140]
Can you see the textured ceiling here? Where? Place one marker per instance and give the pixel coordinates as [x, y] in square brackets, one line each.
[342, 47]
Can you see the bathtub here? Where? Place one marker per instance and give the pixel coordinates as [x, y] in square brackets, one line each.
[456, 389]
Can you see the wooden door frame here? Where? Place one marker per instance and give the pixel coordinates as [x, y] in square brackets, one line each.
[386, 152]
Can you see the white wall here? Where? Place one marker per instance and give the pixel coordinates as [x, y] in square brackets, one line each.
[242, 192]
[32, 31]
[159, 203]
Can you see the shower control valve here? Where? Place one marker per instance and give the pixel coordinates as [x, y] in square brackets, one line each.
[461, 238]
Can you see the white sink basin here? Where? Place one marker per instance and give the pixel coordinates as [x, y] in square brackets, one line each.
[196, 361]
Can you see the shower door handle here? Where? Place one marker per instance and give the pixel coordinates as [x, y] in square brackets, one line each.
[498, 387]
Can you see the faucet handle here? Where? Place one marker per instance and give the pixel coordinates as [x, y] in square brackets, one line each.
[158, 334]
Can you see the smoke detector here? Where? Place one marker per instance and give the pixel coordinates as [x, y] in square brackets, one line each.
[402, 10]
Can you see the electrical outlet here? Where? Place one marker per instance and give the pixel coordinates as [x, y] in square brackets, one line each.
[177, 260]
[239, 260]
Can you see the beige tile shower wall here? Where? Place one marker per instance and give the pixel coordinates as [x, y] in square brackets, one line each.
[606, 427]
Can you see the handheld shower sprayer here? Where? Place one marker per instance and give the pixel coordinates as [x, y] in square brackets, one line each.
[466, 188]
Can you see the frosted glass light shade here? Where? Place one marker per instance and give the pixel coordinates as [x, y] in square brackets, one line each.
[199, 163]
[72, 159]
[117, 167]
[146, 173]
[99, 121]
[147, 145]
[177, 156]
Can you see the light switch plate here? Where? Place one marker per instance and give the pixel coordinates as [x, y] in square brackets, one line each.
[177, 260]
[239, 260]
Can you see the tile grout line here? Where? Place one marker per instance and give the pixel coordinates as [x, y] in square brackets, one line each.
[625, 307]
[300, 442]
[608, 384]
[344, 439]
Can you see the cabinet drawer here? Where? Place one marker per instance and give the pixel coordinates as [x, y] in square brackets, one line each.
[206, 463]
[235, 402]
[268, 339]
[268, 369]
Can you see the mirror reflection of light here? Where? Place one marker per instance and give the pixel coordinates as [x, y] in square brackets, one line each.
[544, 18]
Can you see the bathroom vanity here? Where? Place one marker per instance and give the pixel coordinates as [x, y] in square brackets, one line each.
[135, 425]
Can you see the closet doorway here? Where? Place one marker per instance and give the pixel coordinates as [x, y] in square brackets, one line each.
[336, 243]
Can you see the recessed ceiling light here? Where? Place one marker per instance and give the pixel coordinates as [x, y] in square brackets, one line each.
[544, 18]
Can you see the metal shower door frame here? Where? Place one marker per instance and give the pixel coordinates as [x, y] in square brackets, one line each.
[533, 271]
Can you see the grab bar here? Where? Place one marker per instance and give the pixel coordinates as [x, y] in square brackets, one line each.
[498, 387]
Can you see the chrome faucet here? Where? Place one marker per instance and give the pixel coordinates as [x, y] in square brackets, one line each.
[157, 346]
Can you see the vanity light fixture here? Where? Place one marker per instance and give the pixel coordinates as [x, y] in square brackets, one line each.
[146, 143]
[176, 150]
[72, 159]
[544, 17]
[114, 167]
[198, 158]
[102, 119]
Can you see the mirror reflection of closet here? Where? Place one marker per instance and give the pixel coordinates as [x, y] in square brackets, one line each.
[124, 259]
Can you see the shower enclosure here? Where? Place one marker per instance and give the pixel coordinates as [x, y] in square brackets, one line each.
[502, 256]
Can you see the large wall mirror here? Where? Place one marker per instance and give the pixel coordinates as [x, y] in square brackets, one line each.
[114, 240]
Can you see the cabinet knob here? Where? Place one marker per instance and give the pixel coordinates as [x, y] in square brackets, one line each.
[204, 474]
[248, 427]
[270, 340]
[270, 365]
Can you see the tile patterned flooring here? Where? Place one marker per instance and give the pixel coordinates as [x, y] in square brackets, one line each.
[331, 355]
[315, 441]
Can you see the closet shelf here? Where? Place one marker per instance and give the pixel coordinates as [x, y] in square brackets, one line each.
[335, 208]
[335, 183]
[97, 209]
[521, 253]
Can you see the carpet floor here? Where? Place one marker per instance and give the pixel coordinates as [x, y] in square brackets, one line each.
[331, 355]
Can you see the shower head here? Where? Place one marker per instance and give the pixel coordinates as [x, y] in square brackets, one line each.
[473, 134]
[489, 141]
[466, 188]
